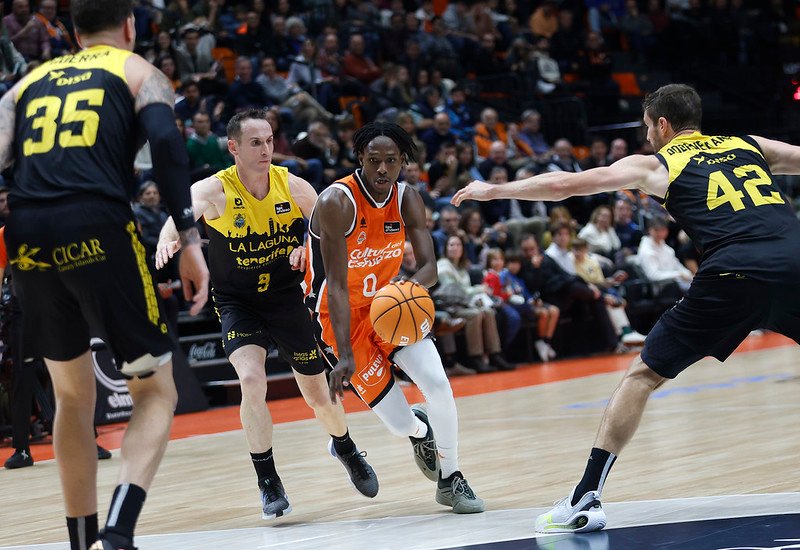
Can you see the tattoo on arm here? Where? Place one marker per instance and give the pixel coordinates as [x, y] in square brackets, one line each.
[189, 236]
[7, 121]
[155, 88]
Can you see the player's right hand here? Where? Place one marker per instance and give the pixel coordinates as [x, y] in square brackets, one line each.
[194, 277]
[340, 376]
[166, 250]
[476, 191]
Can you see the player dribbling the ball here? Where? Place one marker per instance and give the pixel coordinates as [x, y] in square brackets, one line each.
[356, 238]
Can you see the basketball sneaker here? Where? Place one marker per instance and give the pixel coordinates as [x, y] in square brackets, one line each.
[587, 515]
[362, 476]
[425, 454]
[20, 459]
[112, 541]
[274, 503]
[457, 494]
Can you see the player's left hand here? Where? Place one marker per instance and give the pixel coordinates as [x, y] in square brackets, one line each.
[476, 190]
[297, 258]
[340, 376]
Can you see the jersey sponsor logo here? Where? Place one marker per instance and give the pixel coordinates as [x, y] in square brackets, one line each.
[25, 259]
[283, 208]
[391, 227]
[238, 221]
[62, 80]
[370, 257]
[238, 203]
[361, 237]
[720, 160]
[374, 373]
[363, 222]
[305, 357]
[78, 254]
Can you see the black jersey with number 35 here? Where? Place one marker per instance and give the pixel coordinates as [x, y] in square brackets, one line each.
[722, 194]
[76, 128]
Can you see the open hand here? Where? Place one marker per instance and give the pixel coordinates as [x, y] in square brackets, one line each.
[166, 250]
[476, 190]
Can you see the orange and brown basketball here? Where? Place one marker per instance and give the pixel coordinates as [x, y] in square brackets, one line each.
[402, 313]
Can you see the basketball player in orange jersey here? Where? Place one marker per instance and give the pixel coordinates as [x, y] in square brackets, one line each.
[254, 212]
[720, 189]
[356, 238]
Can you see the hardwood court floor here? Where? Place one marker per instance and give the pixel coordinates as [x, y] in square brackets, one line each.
[524, 437]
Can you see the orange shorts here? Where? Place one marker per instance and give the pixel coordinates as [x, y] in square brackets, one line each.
[373, 377]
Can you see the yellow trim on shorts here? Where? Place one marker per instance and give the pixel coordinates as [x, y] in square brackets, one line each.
[153, 314]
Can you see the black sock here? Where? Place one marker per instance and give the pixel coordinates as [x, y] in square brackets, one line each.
[82, 531]
[597, 469]
[449, 478]
[547, 340]
[123, 514]
[264, 464]
[343, 445]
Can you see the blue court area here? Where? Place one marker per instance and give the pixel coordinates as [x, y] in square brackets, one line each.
[746, 533]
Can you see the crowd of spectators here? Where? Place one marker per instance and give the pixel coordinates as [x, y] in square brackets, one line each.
[509, 270]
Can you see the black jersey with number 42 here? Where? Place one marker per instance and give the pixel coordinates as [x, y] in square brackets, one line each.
[76, 128]
[722, 194]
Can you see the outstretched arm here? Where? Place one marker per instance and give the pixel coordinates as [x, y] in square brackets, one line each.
[781, 157]
[634, 172]
[414, 219]
[335, 215]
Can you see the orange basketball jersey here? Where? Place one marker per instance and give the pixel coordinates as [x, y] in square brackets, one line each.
[375, 243]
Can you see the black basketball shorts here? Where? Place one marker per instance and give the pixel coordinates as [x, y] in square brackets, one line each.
[714, 318]
[80, 271]
[281, 319]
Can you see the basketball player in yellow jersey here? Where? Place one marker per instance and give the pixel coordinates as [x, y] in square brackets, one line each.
[720, 190]
[254, 212]
[73, 126]
[356, 237]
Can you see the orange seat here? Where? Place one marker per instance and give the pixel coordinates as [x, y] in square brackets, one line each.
[628, 86]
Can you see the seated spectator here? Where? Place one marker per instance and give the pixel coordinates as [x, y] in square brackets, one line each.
[27, 32]
[559, 249]
[467, 301]
[190, 102]
[317, 144]
[399, 91]
[253, 39]
[439, 133]
[467, 170]
[411, 177]
[205, 149]
[61, 41]
[490, 130]
[196, 61]
[166, 64]
[557, 215]
[443, 174]
[626, 229]
[282, 155]
[244, 92]
[479, 237]
[530, 133]
[462, 122]
[279, 91]
[598, 154]
[303, 72]
[498, 156]
[564, 160]
[424, 109]
[589, 270]
[549, 73]
[356, 64]
[449, 220]
[599, 233]
[546, 314]
[541, 273]
[494, 267]
[618, 150]
[657, 259]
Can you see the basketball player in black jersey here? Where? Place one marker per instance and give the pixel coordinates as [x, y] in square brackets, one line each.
[73, 126]
[720, 190]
